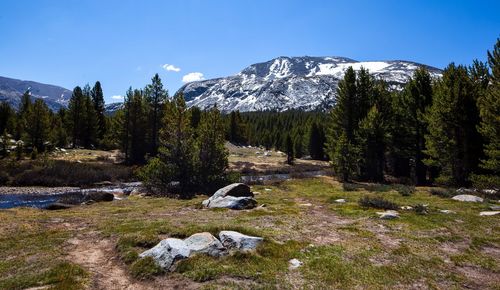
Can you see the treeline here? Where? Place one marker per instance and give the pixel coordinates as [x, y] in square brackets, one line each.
[445, 130]
[35, 128]
[269, 129]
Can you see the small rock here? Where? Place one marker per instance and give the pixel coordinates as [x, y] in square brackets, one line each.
[305, 204]
[388, 214]
[489, 213]
[294, 263]
[490, 191]
[239, 241]
[340, 200]
[446, 211]
[495, 207]
[464, 190]
[406, 207]
[267, 189]
[467, 198]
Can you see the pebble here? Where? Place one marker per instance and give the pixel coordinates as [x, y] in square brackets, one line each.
[294, 263]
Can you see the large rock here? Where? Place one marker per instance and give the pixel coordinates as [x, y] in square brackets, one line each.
[233, 196]
[205, 243]
[231, 202]
[239, 241]
[98, 196]
[167, 252]
[467, 197]
[170, 250]
[235, 189]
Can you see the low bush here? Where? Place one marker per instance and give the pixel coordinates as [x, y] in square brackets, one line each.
[420, 209]
[63, 173]
[441, 192]
[349, 187]
[377, 202]
[405, 190]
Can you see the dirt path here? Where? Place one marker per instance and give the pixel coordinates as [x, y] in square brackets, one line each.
[99, 258]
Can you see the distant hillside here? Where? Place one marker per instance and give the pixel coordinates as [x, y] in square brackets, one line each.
[11, 91]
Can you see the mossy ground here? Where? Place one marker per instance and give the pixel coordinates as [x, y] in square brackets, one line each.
[342, 245]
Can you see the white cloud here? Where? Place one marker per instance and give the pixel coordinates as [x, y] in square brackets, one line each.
[171, 67]
[193, 77]
[117, 97]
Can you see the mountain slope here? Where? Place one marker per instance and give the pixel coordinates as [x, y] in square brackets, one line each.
[11, 91]
[284, 83]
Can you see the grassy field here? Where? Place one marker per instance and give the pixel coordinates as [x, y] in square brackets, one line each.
[342, 245]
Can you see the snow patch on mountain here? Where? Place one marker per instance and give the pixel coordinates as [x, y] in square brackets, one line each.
[284, 83]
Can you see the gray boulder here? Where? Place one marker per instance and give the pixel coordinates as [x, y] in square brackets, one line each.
[205, 243]
[231, 202]
[239, 241]
[233, 196]
[235, 189]
[170, 250]
[467, 198]
[167, 252]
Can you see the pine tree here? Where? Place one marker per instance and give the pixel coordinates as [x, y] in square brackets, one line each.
[212, 156]
[411, 127]
[98, 102]
[6, 117]
[134, 127]
[489, 106]
[343, 125]
[298, 147]
[178, 145]
[24, 107]
[345, 157]
[452, 120]
[289, 150]
[38, 130]
[156, 97]
[372, 140]
[76, 116]
[237, 128]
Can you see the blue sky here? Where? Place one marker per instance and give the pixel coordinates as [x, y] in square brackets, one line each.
[123, 43]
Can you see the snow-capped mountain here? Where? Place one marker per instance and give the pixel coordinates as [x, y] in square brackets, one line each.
[11, 91]
[111, 108]
[285, 83]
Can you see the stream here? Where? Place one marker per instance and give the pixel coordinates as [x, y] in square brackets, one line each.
[76, 196]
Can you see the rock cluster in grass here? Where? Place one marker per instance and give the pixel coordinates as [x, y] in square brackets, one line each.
[170, 250]
[233, 196]
[388, 214]
[467, 198]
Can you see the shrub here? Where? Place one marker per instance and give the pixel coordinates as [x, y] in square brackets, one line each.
[145, 268]
[34, 154]
[420, 209]
[349, 187]
[441, 192]
[405, 190]
[377, 202]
